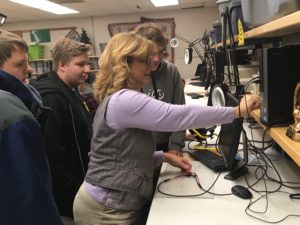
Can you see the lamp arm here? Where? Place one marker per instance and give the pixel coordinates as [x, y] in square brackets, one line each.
[196, 41]
[198, 53]
[192, 45]
[182, 39]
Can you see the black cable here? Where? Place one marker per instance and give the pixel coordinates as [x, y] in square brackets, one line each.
[199, 185]
[264, 169]
[263, 176]
[295, 196]
[263, 220]
[154, 87]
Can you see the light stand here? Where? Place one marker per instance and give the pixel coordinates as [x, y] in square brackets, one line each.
[188, 52]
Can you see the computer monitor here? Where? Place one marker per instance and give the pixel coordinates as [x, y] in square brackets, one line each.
[200, 76]
[200, 73]
[229, 140]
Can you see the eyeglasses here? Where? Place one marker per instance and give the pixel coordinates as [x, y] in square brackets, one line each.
[160, 52]
[2, 18]
[147, 61]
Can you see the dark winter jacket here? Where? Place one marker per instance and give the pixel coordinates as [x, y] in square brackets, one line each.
[67, 138]
[27, 94]
[25, 190]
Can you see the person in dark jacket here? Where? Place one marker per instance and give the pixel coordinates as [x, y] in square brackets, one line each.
[25, 190]
[68, 130]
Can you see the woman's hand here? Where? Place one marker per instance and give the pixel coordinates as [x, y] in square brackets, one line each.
[176, 152]
[178, 161]
[247, 104]
[190, 137]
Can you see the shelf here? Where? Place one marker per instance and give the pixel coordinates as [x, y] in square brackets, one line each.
[236, 38]
[50, 59]
[283, 26]
[41, 66]
[277, 28]
[41, 60]
[292, 148]
[274, 32]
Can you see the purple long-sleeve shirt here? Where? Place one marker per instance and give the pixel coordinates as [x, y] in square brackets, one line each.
[131, 109]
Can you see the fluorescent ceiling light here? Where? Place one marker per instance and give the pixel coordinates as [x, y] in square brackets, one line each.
[160, 3]
[46, 6]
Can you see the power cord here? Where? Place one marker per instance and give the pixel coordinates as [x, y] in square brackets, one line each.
[196, 178]
[261, 173]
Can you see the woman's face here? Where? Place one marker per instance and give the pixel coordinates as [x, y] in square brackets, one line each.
[140, 71]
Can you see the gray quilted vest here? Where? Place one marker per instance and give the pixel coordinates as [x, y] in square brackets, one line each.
[122, 159]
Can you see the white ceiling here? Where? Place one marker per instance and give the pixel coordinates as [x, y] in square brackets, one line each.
[87, 8]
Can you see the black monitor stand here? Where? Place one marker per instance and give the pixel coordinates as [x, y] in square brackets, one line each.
[237, 171]
[198, 83]
[240, 168]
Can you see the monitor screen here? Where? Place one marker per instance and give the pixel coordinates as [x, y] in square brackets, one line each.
[201, 72]
[229, 136]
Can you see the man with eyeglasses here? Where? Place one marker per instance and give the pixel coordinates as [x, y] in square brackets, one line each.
[166, 86]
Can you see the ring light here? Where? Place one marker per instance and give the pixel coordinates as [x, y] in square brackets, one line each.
[174, 42]
[188, 55]
[218, 96]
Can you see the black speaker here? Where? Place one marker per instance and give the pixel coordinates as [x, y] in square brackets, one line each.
[279, 72]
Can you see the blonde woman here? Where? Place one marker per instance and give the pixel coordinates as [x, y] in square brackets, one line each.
[119, 178]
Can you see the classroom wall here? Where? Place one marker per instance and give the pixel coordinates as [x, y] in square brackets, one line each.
[190, 24]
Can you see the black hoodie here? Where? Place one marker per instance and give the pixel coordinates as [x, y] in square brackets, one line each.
[68, 134]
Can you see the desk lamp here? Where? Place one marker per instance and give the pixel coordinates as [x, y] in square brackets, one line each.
[188, 52]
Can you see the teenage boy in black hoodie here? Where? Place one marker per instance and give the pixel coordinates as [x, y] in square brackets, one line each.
[68, 130]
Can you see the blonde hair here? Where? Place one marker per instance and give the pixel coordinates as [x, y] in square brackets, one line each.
[9, 42]
[66, 48]
[114, 63]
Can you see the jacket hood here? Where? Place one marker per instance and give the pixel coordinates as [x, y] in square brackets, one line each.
[51, 83]
[11, 84]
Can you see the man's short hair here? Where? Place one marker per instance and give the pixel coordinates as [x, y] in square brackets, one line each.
[151, 32]
[66, 48]
[9, 42]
